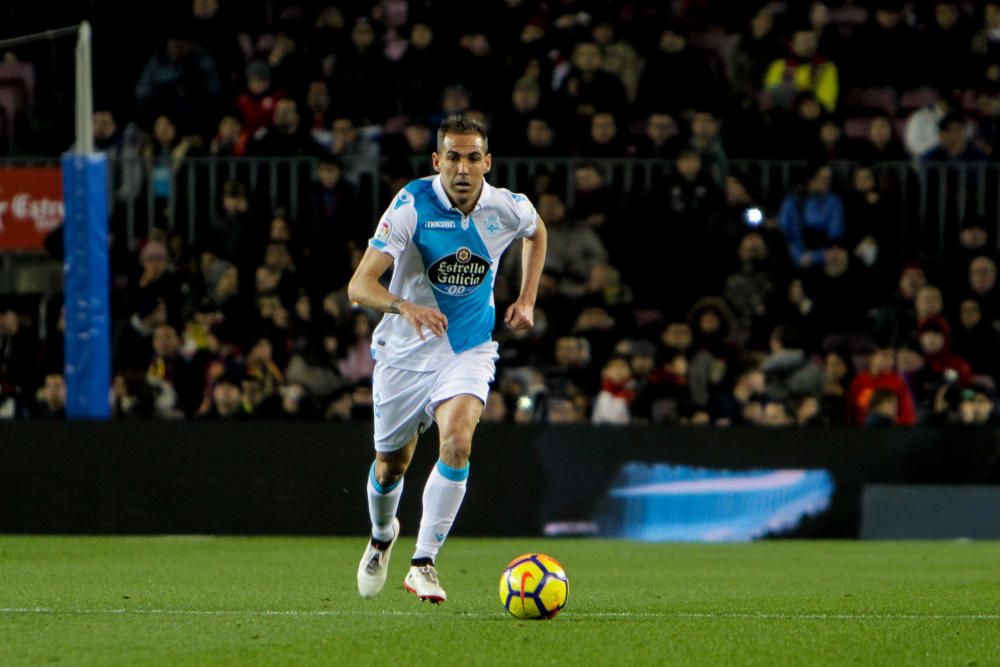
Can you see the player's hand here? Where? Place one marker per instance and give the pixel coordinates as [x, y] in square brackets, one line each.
[420, 317]
[520, 316]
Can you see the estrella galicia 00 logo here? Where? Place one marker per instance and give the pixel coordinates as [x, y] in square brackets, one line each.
[459, 274]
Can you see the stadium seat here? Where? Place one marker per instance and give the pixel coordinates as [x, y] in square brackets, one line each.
[870, 101]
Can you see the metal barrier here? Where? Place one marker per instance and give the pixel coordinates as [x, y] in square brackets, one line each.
[932, 200]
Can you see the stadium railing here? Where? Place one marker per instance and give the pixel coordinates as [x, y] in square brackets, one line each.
[929, 202]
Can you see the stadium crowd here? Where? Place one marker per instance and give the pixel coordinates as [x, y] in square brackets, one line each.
[697, 302]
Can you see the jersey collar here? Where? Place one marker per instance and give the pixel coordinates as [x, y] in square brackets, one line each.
[484, 195]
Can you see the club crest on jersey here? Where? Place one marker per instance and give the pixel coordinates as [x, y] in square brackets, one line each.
[402, 200]
[492, 225]
[459, 274]
[383, 231]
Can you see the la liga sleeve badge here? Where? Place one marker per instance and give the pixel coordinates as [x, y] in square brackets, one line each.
[383, 231]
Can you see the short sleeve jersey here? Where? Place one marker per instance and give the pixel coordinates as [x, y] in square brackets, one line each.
[446, 260]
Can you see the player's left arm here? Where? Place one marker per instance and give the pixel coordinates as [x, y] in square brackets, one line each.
[521, 313]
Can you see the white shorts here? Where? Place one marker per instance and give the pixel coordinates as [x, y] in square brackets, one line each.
[405, 400]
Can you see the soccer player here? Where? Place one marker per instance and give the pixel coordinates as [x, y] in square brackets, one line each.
[434, 353]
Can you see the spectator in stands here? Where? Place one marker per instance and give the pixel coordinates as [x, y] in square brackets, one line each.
[619, 57]
[838, 373]
[230, 140]
[841, 294]
[348, 145]
[744, 406]
[540, 138]
[511, 124]
[941, 368]
[884, 49]
[572, 366]
[752, 51]
[162, 153]
[812, 218]
[603, 140]
[588, 88]
[922, 127]
[788, 371]
[18, 353]
[986, 44]
[257, 104]
[883, 409]
[51, 399]
[121, 149]
[881, 143]
[226, 400]
[318, 106]
[659, 130]
[676, 77]
[133, 343]
[880, 375]
[180, 81]
[987, 137]
[831, 143]
[712, 355]
[982, 286]
[157, 278]
[707, 141]
[170, 367]
[976, 340]
[895, 319]
[953, 142]
[613, 402]
[872, 230]
[978, 406]
[335, 228]
[751, 288]
[666, 396]
[419, 73]
[286, 137]
[945, 44]
[804, 70]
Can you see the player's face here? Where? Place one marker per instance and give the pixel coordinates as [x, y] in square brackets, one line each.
[463, 162]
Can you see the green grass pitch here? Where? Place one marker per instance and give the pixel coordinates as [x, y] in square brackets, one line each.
[280, 601]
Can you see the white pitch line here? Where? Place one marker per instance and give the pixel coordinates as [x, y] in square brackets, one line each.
[585, 614]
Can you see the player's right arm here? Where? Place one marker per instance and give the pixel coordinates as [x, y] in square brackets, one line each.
[366, 289]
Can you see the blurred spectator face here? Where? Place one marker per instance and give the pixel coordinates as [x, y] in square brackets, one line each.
[806, 410]
[166, 342]
[562, 411]
[969, 314]
[762, 22]
[227, 398]
[642, 365]
[809, 108]
[104, 125]
[660, 127]
[421, 36]
[286, 116]
[836, 262]
[318, 97]
[931, 342]
[551, 208]
[603, 277]
[540, 134]
[880, 131]
[455, 99]
[910, 280]
[804, 44]
[569, 351]
[164, 131]
[776, 414]
[988, 103]
[820, 181]
[677, 335]
[204, 9]
[603, 128]
[476, 43]
[342, 134]
[881, 361]
[976, 407]
[991, 16]
[752, 248]
[928, 302]
[888, 18]
[267, 279]
[587, 57]
[736, 192]
[829, 132]
[952, 137]
[328, 174]
[178, 48]
[863, 179]
[672, 42]
[230, 129]
[532, 32]
[617, 371]
[277, 258]
[834, 366]
[688, 165]
[982, 275]
[819, 15]
[229, 283]
[258, 85]
[526, 96]
[54, 391]
[603, 33]
[260, 353]
[418, 137]
[588, 178]
[303, 308]
[234, 204]
[704, 126]
[946, 15]
[280, 230]
[885, 405]
[709, 322]
[362, 35]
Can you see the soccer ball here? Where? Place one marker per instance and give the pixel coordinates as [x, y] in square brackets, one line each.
[534, 586]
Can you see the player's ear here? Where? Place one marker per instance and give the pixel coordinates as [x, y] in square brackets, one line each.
[436, 161]
[488, 163]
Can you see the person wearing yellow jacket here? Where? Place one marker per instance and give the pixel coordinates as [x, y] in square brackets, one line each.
[804, 70]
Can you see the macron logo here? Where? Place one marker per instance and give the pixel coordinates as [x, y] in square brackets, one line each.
[439, 536]
[439, 224]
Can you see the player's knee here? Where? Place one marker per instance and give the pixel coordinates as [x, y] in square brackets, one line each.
[388, 473]
[456, 448]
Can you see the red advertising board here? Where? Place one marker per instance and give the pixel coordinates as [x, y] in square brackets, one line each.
[31, 206]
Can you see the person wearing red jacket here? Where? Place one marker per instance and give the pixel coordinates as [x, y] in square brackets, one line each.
[880, 374]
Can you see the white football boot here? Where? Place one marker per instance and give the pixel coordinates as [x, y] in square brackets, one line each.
[422, 581]
[375, 566]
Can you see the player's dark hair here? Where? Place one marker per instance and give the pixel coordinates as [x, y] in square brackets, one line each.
[462, 124]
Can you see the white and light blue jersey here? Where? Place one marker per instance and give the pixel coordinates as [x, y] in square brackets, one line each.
[445, 260]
